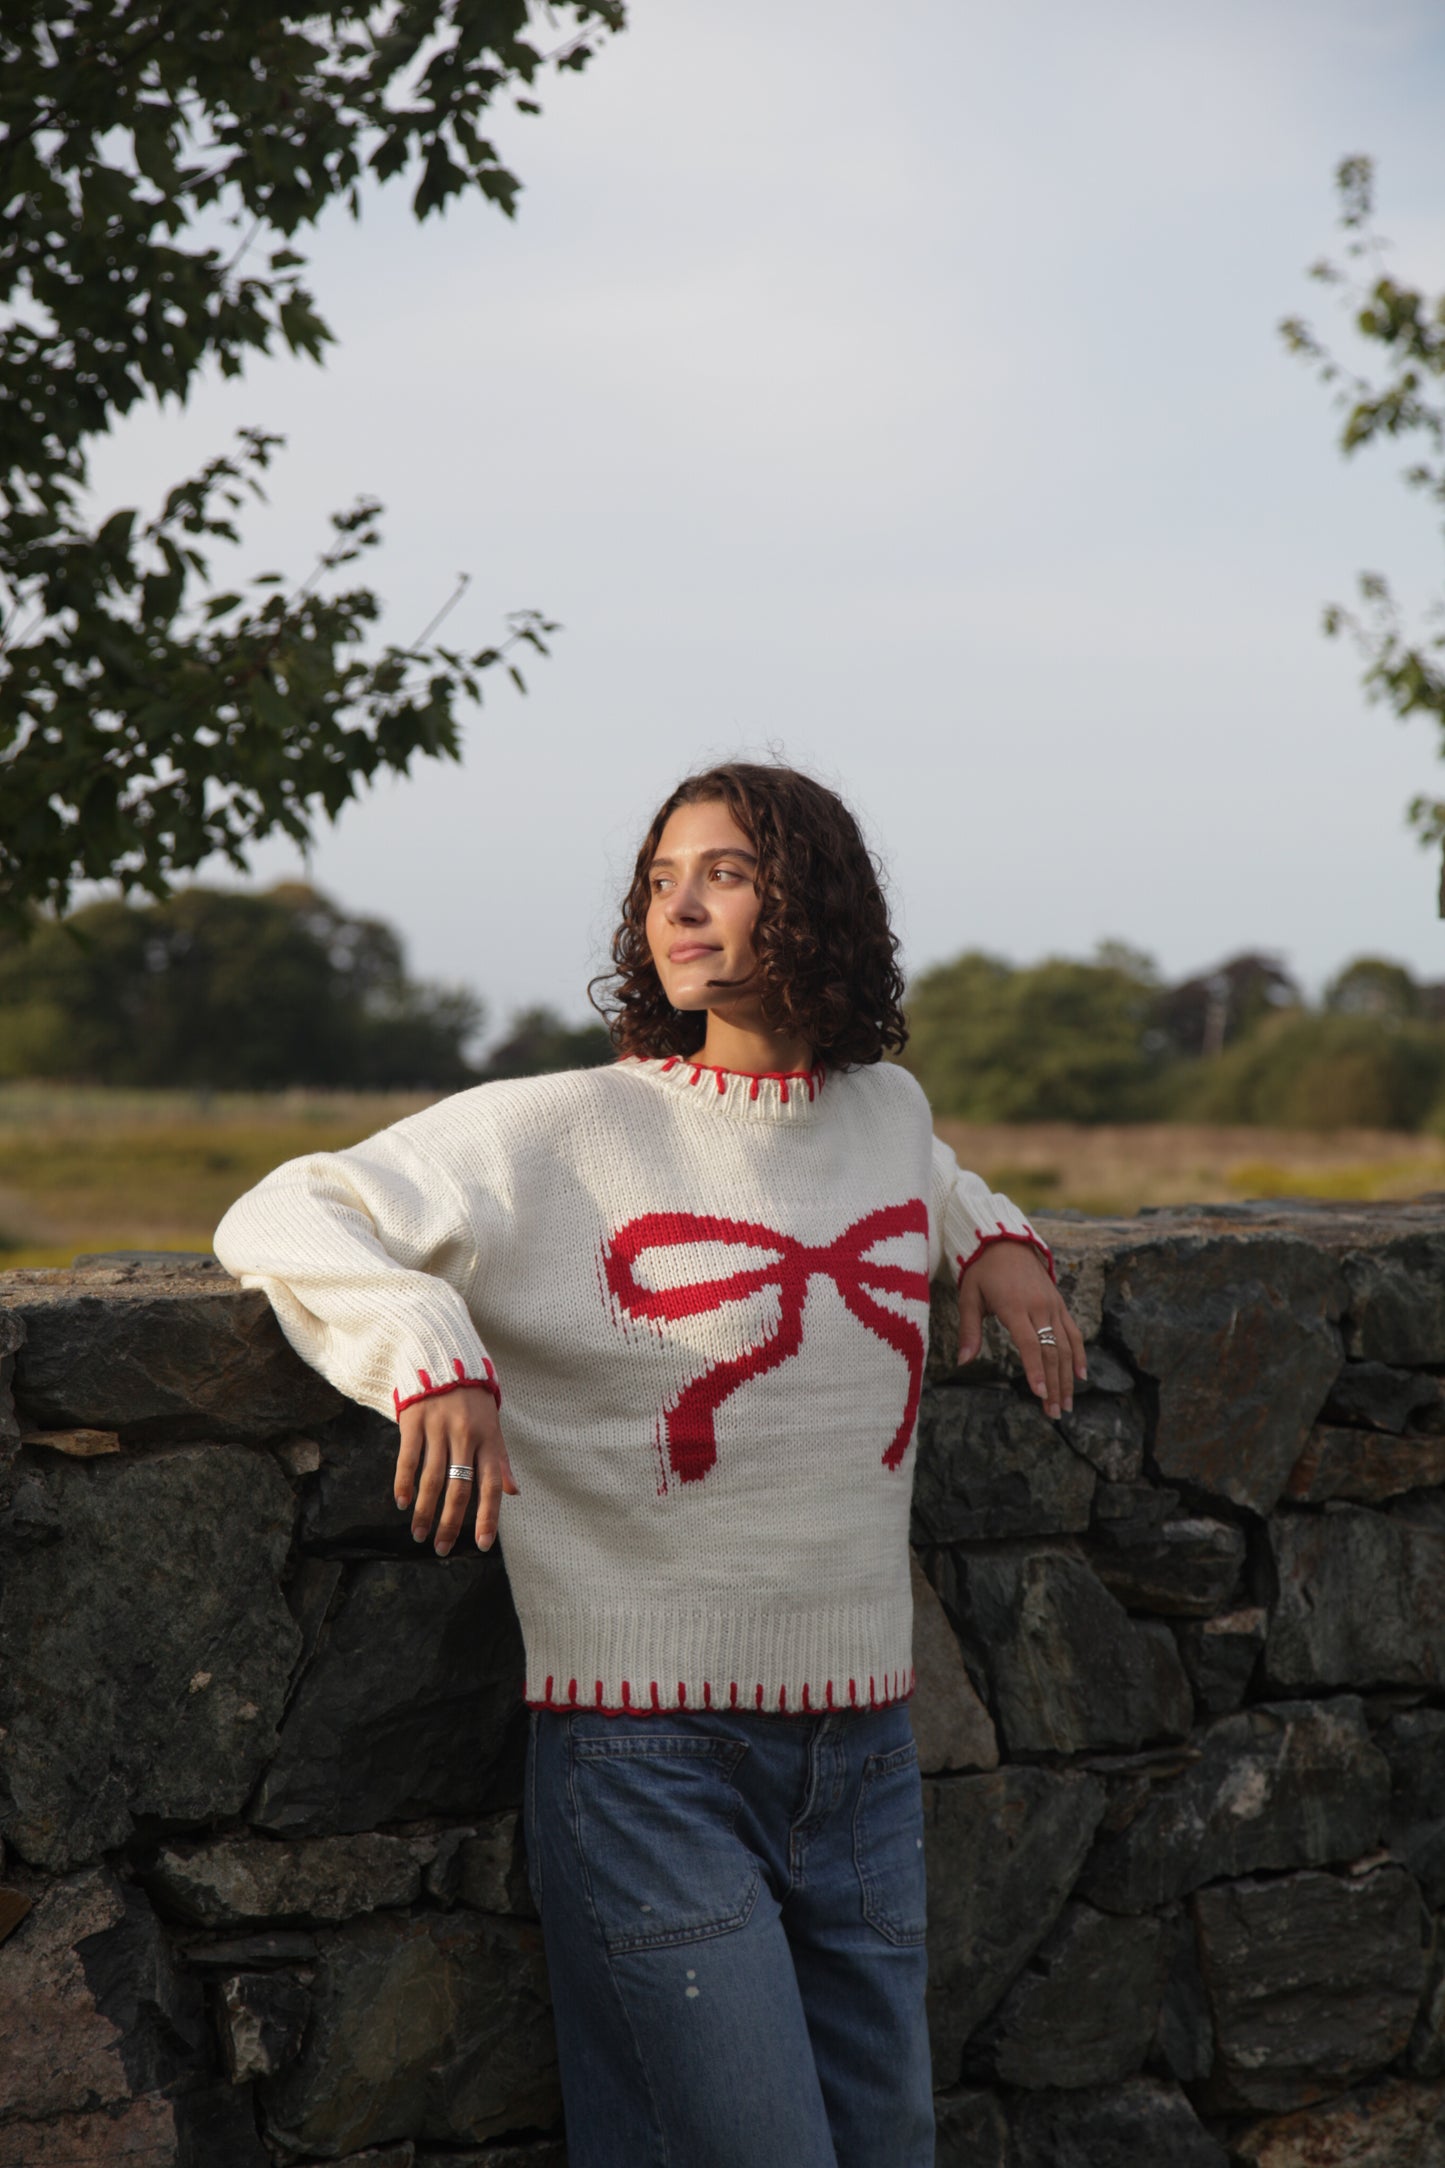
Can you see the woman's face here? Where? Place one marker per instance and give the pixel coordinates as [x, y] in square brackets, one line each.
[703, 908]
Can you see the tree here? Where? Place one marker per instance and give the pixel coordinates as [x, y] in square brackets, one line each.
[1204, 1014]
[1298, 1071]
[217, 990]
[538, 1042]
[148, 720]
[1373, 986]
[1061, 1041]
[1407, 401]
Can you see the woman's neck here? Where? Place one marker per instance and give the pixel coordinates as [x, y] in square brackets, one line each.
[752, 1049]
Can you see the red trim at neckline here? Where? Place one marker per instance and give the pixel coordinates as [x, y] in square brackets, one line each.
[814, 1078]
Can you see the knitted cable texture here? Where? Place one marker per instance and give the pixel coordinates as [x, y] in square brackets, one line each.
[705, 1299]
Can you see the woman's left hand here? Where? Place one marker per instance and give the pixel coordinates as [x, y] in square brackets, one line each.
[1009, 1281]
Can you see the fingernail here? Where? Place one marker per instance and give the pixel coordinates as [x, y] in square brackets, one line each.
[486, 1543]
[418, 1535]
[400, 1504]
[1068, 1407]
[442, 1549]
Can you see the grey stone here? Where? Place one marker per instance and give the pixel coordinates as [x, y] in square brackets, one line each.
[484, 1867]
[241, 1880]
[408, 1707]
[29, 1517]
[434, 2027]
[1144, 2123]
[1361, 1600]
[1380, 1398]
[163, 1596]
[1184, 2040]
[348, 1507]
[233, 1953]
[169, 1356]
[1106, 1373]
[1425, 2056]
[951, 1726]
[991, 1464]
[12, 1334]
[153, 2004]
[1413, 1743]
[1106, 1425]
[1084, 2009]
[1240, 1333]
[1397, 1301]
[402, 2155]
[1314, 1981]
[1184, 1566]
[1298, 1784]
[131, 2134]
[59, 2053]
[541, 2153]
[216, 2128]
[263, 2018]
[971, 2131]
[1392, 2124]
[1002, 1852]
[1220, 1655]
[311, 1591]
[94, 2016]
[1365, 1465]
[14, 1904]
[1068, 1668]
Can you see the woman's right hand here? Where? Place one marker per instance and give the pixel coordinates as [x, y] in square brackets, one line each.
[453, 1430]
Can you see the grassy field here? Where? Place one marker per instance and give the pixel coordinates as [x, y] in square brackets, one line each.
[1116, 1170]
[96, 1170]
[92, 1170]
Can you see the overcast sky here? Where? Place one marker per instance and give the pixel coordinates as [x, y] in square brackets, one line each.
[897, 388]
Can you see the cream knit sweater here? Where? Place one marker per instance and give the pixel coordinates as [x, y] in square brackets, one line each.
[704, 1297]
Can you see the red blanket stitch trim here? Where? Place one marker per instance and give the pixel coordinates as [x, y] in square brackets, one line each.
[488, 1384]
[899, 1686]
[1006, 1235]
[814, 1078]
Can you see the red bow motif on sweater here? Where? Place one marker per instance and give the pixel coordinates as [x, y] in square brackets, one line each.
[689, 1423]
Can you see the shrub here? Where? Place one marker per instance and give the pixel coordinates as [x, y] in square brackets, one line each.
[1336, 1071]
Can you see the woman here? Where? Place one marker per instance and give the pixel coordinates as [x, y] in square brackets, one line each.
[700, 1277]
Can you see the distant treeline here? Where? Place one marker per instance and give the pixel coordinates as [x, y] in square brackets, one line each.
[215, 990]
[219, 990]
[1110, 1041]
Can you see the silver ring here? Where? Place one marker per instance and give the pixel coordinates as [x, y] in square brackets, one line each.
[460, 1472]
[1046, 1336]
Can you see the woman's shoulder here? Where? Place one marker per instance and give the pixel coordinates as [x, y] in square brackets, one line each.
[510, 1109]
[884, 1086]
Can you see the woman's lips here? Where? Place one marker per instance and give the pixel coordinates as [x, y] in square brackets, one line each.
[687, 952]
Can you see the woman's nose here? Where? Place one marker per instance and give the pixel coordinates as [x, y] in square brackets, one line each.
[685, 906]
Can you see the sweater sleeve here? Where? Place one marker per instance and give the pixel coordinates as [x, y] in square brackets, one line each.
[365, 1255]
[971, 1216]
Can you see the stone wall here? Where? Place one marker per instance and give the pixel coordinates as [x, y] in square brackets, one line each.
[1181, 1710]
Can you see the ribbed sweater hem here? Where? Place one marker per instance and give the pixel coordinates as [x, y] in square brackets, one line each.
[777, 1662]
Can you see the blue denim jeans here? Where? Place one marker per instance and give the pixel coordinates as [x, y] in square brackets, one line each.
[733, 1911]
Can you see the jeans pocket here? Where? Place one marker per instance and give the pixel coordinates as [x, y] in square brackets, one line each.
[656, 1827]
[888, 1845]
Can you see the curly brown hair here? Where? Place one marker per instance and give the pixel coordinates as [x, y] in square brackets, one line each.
[827, 956]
